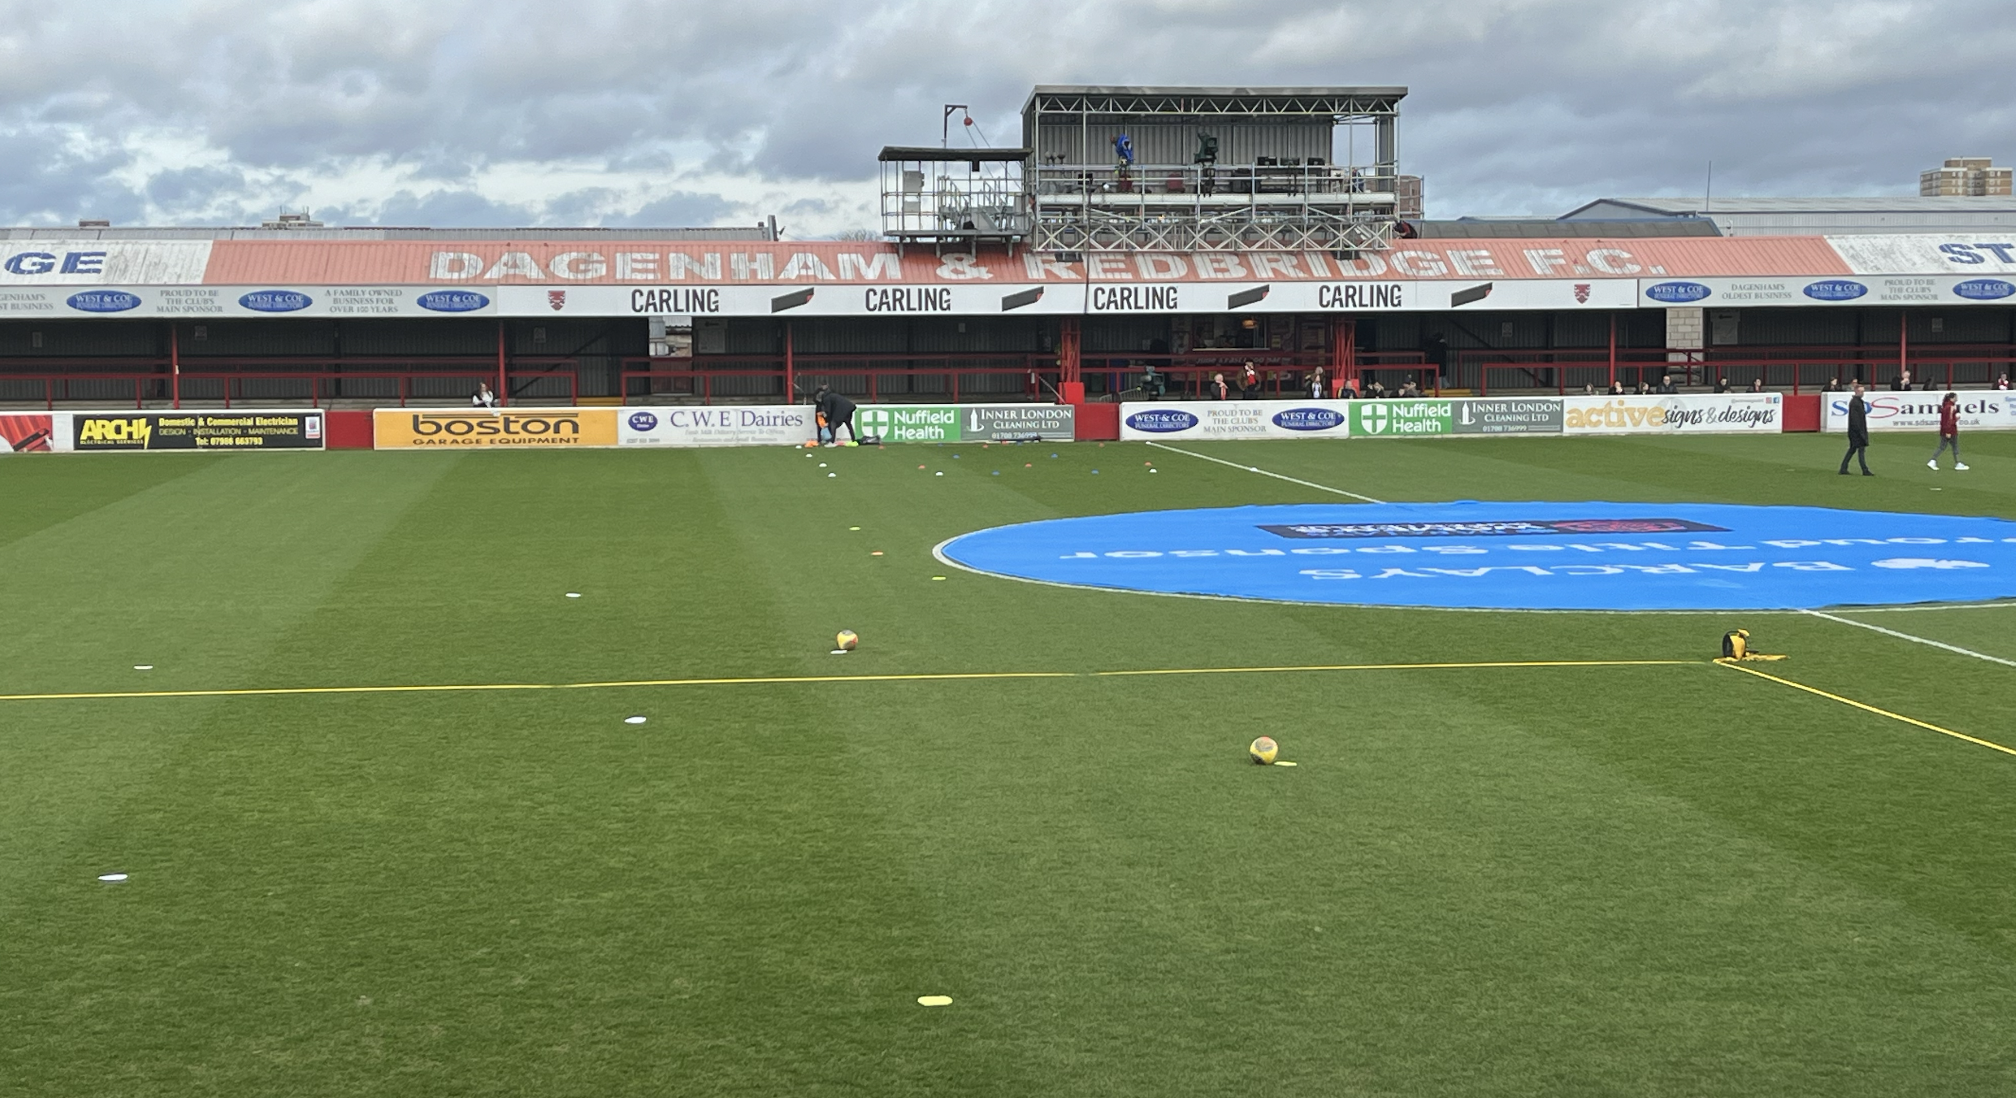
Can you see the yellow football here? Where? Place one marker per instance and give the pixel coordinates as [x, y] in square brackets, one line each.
[846, 640]
[1263, 751]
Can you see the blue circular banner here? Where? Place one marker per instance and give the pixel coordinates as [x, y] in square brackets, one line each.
[1516, 556]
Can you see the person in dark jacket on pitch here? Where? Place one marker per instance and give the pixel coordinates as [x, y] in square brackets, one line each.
[839, 412]
[1858, 433]
[1949, 434]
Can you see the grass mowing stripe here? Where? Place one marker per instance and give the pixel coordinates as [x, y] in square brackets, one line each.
[782, 680]
[1867, 708]
[1265, 473]
[1400, 667]
[1914, 639]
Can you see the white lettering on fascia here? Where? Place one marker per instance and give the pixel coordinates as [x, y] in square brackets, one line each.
[1219, 265]
[514, 264]
[1108, 267]
[872, 267]
[1274, 265]
[1419, 264]
[579, 265]
[1040, 268]
[1544, 260]
[1159, 267]
[744, 266]
[1614, 261]
[455, 265]
[706, 267]
[1475, 262]
[807, 265]
[640, 266]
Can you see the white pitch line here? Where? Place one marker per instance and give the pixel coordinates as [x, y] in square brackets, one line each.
[1265, 473]
[1913, 639]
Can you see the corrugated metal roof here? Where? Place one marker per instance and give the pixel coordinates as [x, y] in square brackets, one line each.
[1695, 206]
[382, 232]
[1217, 90]
[1521, 228]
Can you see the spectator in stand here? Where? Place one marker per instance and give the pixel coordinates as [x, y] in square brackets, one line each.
[2002, 382]
[1858, 433]
[1902, 382]
[1318, 384]
[1666, 386]
[483, 397]
[1756, 384]
[1643, 389]
[1409, 389]
[1249, 382]
[1949, 434]
[1833, 385]
[1722, 384]
[1153, 385]
[1375, 390]
[1589, 389]
[1616, 388]
[1928, 386]
[1220, 390]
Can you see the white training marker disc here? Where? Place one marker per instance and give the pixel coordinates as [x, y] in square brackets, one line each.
[112, 877]
[839, 651]
[934, 1000]
[143, 667]
[634, 720]
[832, 474]
[822, 465]
[1283, 762]
[573, 594]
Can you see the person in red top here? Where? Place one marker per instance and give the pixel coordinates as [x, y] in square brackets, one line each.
[1949, 434]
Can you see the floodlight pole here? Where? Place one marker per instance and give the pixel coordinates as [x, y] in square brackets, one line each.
[175, 367]
[945, 124]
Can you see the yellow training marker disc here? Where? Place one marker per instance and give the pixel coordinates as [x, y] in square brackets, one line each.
[934, 1000]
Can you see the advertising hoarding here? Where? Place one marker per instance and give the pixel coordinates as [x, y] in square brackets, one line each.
[263, 429]
[1990, 410]
[485, 428]
[1220, 419]
[1685, 413]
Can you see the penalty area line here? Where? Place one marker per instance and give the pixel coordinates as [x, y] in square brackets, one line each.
[1867, 708]
[786, 680]
[1265, 473]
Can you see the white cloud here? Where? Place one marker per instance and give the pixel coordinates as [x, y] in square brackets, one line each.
[611, 110]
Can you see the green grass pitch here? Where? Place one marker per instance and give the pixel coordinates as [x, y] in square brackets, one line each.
[1648, 881]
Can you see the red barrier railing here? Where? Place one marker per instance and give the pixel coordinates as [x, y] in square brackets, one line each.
[315, 387]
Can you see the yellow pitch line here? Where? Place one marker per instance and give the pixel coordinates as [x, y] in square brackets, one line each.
[1865, 707]
[948, 676]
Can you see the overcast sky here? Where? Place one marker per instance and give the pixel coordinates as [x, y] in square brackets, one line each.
[615, 112]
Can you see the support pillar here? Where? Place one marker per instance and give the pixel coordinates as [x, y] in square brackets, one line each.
[175, 368]
[1343, 354]
[503, 372]
[791, 372]
[1070, 385]
[1613, 351]
[1903, 342]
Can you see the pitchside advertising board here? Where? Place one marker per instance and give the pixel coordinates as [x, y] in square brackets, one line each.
[713, 425]
[110, 432]
[1979, 411]
[1731, 413]
[1683, 414]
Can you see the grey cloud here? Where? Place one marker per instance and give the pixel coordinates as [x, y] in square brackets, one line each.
[1518, 105]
